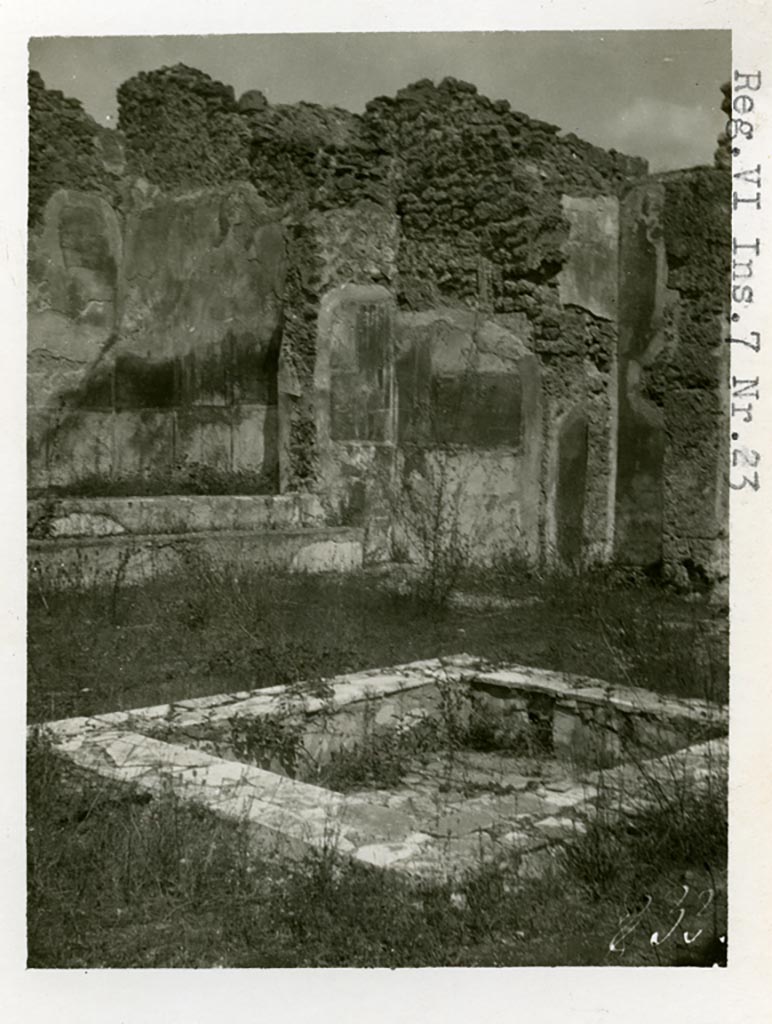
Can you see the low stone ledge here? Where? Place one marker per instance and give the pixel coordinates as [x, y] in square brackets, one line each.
[56, 518]
[132, 558]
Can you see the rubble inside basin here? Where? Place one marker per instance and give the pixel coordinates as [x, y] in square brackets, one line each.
[427, 768]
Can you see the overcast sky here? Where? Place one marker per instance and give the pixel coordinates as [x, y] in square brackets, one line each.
[651, 94]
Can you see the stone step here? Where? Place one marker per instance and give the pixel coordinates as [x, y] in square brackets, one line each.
[72, 562]
[52, 517]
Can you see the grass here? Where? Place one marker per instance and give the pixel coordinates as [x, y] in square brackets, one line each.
[117, 880]
[209, 631]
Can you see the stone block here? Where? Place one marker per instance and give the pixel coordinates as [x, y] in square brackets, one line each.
[560, 828]
[83, 524]
[658, 736]
[88, 561]
[462, 822]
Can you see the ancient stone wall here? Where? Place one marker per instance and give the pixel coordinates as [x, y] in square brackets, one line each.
[313, 157]
[478, 192]
[478, 189]
[440, 289]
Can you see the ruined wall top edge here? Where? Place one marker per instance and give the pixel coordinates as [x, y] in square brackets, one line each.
[180, 129]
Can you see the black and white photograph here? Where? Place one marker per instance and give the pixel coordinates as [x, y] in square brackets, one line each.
[386, 396]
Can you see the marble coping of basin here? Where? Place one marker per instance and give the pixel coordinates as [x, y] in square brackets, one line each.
[567, 688]
[341, 690]
[297, 816]
[292, 817]
[372, 684]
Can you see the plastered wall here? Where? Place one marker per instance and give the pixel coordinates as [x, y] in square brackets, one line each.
[154, 338]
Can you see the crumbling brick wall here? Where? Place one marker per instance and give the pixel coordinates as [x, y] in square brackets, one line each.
[480, 191]
[476, 186]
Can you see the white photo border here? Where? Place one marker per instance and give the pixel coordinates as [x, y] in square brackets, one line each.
[738, 993]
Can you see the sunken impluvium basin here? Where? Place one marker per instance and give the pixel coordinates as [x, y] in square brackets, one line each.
[426, 768]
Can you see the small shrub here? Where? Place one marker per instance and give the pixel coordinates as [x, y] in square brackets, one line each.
[374, 765]
[455, 711]
[381, 758]
[425, 506]
[267, 741]
[510, 573]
